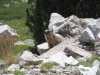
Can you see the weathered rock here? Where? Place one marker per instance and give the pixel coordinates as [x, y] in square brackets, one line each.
[8, 37]
[41, 48]
[13, 67]
[7, 31]
[28, 58]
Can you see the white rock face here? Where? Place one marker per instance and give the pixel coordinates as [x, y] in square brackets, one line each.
[28, 57]
[41, 48]
[13, 67]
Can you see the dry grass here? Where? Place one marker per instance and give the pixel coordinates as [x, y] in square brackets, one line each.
[6, 51]
[8, 57]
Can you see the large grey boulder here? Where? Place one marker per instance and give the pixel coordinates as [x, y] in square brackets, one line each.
[87, 36]
[65, 26]
[74, 26]
[90, 34]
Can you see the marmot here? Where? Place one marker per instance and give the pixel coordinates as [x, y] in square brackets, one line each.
[52, 39]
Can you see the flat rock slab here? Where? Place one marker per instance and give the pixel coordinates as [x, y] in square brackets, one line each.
[68, 43]
[75, 50]
[56, 49]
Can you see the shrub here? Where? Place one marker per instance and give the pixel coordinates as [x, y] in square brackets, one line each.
[46, 66]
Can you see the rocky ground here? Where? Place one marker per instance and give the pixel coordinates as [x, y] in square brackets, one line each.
[81, 42]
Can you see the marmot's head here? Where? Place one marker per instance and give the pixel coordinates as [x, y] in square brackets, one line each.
[46, 32]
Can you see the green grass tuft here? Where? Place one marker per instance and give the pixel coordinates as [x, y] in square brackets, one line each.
[46, 66]
[17, 72]
[18, 48]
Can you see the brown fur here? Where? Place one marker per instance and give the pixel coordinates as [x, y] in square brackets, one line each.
[52, 39]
